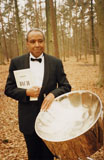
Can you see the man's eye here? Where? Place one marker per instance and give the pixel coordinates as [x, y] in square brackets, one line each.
[32, 41]
[40, 41]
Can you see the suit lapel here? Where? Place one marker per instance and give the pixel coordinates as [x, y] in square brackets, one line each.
[46, 72]
[26, 61]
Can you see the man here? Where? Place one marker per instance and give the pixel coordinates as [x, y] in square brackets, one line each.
[52, 83]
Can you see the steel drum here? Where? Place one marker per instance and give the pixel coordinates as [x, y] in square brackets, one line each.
[72, 127]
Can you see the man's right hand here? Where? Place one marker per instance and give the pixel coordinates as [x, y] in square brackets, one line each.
[33, 92]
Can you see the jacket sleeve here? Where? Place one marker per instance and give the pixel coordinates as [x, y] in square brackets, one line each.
[11, 89]
[63, 85]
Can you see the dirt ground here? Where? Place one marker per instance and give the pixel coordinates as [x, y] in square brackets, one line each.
[81, 75]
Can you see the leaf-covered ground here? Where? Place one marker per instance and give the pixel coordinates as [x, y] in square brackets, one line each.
[81, 75]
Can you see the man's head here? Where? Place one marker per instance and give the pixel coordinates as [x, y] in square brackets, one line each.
[35, 42]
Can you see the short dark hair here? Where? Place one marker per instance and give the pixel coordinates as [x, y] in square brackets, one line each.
[35, 30]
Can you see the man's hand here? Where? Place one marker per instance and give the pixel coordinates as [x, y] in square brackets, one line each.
[47, 102]
[33, 92]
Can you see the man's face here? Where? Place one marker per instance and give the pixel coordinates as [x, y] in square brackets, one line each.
[36, 43]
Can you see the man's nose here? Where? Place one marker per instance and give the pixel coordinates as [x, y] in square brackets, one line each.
[36, 44]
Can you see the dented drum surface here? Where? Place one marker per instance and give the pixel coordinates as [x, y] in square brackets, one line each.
[72, 127]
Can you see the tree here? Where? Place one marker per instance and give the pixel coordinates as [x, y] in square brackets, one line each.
[4, 38]
[49, 29]
[36, 15]
[54, 28]
[100, 24]
[1, 55]
[9, 29]
[93, 33]
[69, 12]
[29, 14]
[41, 15]
[19, 30]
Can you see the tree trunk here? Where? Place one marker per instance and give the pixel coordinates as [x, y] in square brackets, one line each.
[19, 32]
[76, 34]
[10, 38]
[49, 29]
[92, 33]
[36, 15]
[54, 28]
[4, 39]
[40, 14]
[63, 41]
[83, 38]
[1, 55]
[100, 23]
[15, 35]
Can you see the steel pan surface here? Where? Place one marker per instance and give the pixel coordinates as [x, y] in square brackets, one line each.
[69, 116]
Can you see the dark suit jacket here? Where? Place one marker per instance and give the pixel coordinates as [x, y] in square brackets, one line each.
[54, 81]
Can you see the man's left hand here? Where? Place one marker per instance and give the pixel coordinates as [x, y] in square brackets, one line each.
[47, 102]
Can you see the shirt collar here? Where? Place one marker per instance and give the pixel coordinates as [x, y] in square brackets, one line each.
[31, 56]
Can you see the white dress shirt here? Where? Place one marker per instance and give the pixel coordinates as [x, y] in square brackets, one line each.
[37, 70]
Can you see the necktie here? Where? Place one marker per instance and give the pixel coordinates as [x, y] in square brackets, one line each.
[36, 59]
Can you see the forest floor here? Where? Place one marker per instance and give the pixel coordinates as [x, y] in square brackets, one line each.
[81, 75]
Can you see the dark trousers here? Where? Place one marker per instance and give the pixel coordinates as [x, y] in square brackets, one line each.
[36, 148]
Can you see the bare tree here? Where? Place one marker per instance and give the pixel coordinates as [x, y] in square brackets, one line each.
[93, 33]
[54, 28]
[4, 38]
[100, 23]
[1, 55]
[49, 29]
[36, 15]
[19, 30]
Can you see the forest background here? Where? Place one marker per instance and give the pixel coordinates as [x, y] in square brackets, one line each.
[71, 27]
[74, 32]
